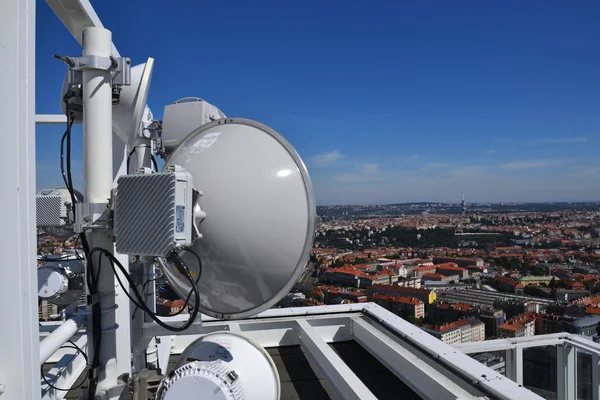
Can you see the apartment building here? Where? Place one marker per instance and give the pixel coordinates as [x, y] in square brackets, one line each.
[400, 305]
[425, 295]
[461, 331]
[520, 326]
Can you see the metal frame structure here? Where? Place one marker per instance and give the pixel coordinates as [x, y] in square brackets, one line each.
[567, 346]
[429, 367]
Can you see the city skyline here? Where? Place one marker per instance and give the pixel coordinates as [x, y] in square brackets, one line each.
[388, 104]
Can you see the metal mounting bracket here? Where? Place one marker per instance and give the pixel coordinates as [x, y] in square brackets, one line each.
[93, 216]
[121, 67]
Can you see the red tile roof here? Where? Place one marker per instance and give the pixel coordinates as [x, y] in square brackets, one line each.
[425, 268]
[396, 299]
[435, 276]
[450, 268]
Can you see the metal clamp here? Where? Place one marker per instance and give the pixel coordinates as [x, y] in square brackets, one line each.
[121, 67]
[92, 216]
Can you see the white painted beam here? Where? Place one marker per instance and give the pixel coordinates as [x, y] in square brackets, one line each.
[339, 377]
[595, 376]
[511, 343]
[51, 119]
[59, 337]
[566, 372]
[19, 343]
[425, 380]
[514, 364]
[60, 353]
[164, 345]
[78, 15]
[492, 382]
[65, 373]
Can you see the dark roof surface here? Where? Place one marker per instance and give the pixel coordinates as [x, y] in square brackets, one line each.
[300, 381]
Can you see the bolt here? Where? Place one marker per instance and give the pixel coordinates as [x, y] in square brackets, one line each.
[2, 387]
[233, 376]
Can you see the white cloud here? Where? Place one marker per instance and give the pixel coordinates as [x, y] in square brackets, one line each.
[585, 172]
[365, 173]
[369, 169]
[466, 171]
[357, 178]
[578, 139]
[489, 152]
[325, 159]
[437, 165]
[486, 187]
[412, 157]
[519, 165]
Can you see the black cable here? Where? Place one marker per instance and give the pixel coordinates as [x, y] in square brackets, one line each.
[75, 245]
[187, 300]
[69, 176]
[129, 159]
[92, 280]
[139, 301]
[199, 262]
[154, 162]
[152, 158]
[62, 157]
[74, 346]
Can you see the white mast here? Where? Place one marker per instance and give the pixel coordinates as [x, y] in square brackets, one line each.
[19, 342]
[98, 172]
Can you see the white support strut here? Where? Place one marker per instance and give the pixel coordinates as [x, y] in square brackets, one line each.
[19, 343]
[59, 337]
[340, 377]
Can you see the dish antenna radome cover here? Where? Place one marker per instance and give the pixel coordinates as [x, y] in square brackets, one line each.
[128, 112]
[260, 217]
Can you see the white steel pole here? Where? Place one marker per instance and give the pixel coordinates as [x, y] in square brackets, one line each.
[59, 337]
[123, 311]
[19, 340]
[98, 173]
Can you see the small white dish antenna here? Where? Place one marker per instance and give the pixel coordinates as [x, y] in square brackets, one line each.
[223, 366]
[258, 231]
[128, 112]
[60, 281]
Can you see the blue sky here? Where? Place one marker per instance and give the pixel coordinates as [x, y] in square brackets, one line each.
[385, 101]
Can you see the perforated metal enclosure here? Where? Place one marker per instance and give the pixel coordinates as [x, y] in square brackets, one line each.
[50, 210]
[153, 213]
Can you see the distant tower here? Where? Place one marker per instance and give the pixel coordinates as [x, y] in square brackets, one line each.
[462, 203]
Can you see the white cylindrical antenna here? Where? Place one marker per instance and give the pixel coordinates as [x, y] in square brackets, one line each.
[98, 173]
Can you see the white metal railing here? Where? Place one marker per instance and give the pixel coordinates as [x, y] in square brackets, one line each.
[568, 348]
[431, 368]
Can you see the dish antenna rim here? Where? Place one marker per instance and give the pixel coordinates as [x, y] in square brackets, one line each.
[310, 223]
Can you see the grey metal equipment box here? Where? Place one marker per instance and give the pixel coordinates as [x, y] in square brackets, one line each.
[50, 210]
[184, 116]
[53, 207]
[153, 213]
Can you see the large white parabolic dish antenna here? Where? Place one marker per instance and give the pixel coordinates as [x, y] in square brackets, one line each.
[260, 216]
[128, 113]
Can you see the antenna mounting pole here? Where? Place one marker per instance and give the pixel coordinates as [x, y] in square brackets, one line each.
[98, 173]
